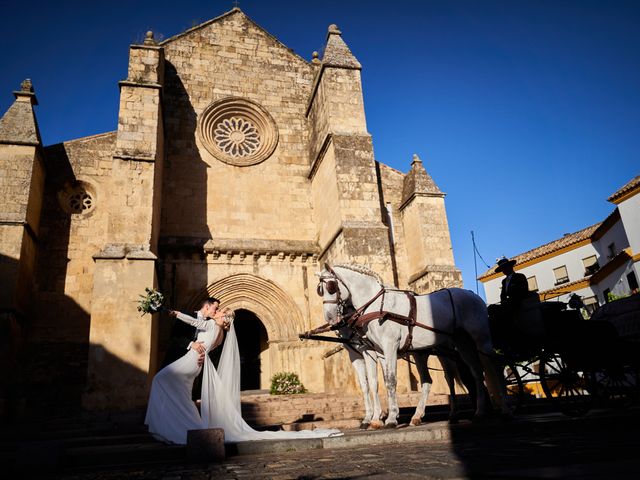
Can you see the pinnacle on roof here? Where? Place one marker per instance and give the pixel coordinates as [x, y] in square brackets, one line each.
[418, 182]
[19, 125]
[337, 53]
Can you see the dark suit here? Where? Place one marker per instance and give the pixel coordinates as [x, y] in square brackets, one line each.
[516, 291]
[182, 334]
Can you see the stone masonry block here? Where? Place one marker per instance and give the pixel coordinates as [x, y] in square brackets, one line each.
[205, 445]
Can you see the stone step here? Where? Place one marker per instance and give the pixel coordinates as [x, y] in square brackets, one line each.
[111, 456]
[288, 409]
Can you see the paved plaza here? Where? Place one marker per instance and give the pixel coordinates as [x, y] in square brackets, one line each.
[601, 445]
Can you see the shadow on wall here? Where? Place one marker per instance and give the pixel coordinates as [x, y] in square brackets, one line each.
[184, 231]
[45, 351]
[44, 376]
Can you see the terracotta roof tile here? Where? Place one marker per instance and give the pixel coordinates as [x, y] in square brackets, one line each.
[567, 240]
[630, 185]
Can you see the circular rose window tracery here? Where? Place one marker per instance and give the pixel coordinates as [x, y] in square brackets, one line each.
[237, 131]
[77, 197]
[80, 201]
[237, 137]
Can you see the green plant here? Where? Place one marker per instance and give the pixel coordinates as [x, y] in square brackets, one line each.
[612, 297]
[286, 383]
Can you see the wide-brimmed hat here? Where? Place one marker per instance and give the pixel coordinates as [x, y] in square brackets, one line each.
[503, 262]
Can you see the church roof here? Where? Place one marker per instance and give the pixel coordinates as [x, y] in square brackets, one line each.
[233, 11]
[18, 125]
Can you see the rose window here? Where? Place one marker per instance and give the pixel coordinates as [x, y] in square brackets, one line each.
[237, 131]
[77, 198]
[80, 201]
[237, 137]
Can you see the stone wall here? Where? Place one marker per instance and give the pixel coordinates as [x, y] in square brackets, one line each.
[205, 197]
[161, 196]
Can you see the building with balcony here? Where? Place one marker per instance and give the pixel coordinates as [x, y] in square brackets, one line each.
[596, 263]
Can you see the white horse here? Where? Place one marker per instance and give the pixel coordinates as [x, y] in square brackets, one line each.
[365, 364]
[364, 361]
[452, 318]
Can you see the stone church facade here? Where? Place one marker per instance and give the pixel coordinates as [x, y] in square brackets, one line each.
[237, 169]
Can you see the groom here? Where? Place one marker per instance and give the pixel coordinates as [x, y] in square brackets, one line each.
[184, 336]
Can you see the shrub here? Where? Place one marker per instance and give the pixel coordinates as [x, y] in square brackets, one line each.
[286, 383]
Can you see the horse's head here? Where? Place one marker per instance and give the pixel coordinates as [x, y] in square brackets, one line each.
[335, 294]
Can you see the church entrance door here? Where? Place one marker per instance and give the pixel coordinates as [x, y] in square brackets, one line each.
[253, 344]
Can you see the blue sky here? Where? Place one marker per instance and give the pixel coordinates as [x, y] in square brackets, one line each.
[526, 113]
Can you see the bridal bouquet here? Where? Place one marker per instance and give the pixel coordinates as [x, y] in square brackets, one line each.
[151, 302]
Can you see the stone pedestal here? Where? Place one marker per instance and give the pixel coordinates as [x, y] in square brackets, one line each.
[205, 445]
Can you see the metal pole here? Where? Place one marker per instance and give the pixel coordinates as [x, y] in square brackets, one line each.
[475, 265]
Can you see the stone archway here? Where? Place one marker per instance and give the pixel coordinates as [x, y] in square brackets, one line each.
[266, 303]
[269, 302]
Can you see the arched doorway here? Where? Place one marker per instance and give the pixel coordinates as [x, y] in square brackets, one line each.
[253, 345]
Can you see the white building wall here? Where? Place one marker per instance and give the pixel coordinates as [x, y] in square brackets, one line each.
[625, 233]
[492, 290]
[616, 282]
[616, 235]
[543, 271]
[630, 214]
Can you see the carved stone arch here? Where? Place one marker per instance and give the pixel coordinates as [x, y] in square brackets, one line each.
[275, 308]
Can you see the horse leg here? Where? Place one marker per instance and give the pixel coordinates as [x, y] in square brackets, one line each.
[376, 358]
[391, 381]
[450, 368]
[497, 390]
[358, 362]
[425, 385]
[467, 352]
[371, 360]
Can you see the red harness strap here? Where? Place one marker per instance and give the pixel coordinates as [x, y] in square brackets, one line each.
[359, 320]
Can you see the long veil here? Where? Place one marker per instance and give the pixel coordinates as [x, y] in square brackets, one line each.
[221, 399]
[221, 388]
[229, 367]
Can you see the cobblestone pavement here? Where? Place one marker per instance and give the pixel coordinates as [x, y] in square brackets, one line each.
[581, 449]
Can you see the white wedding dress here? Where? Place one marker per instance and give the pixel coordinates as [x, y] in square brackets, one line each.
[172, 412]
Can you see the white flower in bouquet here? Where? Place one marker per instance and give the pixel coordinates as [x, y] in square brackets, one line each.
[151, 302]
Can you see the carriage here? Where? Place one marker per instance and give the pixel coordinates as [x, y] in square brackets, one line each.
[548, 350]
[545, 349]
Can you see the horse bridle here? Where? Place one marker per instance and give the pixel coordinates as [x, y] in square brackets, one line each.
[332, 287]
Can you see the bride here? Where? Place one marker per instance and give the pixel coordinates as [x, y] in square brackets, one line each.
[172, 412]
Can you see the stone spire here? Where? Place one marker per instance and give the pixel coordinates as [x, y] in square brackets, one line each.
[418, 182]
[337, 53]
[19, 125]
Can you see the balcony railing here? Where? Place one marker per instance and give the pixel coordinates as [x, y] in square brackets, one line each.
[591, 269]
[560, 281]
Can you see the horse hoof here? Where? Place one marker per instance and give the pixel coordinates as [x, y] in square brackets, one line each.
[364, 426]
[390, 425]
[415, 422]
[375, 425]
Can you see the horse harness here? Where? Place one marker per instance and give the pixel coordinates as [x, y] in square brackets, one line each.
[358, 320]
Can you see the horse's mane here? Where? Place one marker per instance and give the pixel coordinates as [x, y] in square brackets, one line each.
[361, 269]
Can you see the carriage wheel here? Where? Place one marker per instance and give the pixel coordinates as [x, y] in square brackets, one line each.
[567, 388]
[617, 387]
[514, 386]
